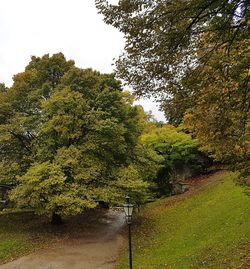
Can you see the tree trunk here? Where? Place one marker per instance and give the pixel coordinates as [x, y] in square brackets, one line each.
[56, 219]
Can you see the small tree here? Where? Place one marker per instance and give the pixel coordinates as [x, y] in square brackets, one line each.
[179, 154]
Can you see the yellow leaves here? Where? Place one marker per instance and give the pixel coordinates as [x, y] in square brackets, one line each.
[128, 97]
[245, 20]
[239, 150]
[220, 106]
[188, 121]
[242, 20]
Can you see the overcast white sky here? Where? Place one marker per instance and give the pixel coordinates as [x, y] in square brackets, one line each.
[73, 27]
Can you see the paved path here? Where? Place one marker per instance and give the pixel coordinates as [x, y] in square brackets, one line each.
[97, 249]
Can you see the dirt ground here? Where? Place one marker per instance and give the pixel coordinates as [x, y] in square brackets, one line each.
[94, 249]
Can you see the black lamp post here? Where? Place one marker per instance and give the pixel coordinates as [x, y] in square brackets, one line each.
[128, 209]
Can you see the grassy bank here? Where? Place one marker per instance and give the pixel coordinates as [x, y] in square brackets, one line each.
[208, 227]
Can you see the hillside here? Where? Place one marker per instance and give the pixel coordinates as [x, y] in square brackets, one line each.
[207, 227]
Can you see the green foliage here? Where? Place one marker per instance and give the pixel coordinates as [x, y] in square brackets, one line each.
[2, 87]
[130, 180]
[44, 187]
[64, 134]
[178, 153]
[206, 229]
[194, 57]
[162, 37]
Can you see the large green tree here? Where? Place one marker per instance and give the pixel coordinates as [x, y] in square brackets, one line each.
[68, 138]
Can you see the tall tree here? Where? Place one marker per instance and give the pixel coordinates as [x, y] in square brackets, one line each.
[64, 134]
[220, 115]
[162, 37]
[194, 56]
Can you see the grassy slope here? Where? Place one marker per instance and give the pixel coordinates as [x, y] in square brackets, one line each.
[206, 228]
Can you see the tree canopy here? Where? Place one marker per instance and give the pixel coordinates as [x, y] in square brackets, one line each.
[194, 57]
[178, 153]
[162, 37]
[68, 138]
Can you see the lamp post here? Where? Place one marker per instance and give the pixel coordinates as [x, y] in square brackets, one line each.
[128, 209]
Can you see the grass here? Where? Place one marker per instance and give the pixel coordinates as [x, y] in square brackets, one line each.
[207, 228]
[19, 234]
[23, 232]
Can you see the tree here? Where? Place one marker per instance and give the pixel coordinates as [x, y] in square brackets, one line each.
[64, 134]
[20, 111]
[2, 87]
[223, 100]
[162, 37]
[194, 56]
[178, 154]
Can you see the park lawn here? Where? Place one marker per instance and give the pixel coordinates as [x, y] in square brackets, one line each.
[208, 227]
[24, 232]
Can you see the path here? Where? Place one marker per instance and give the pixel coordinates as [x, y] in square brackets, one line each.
[95, 249]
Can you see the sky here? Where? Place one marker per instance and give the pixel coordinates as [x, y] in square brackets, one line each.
[73, 27]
